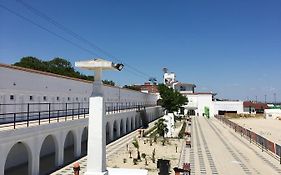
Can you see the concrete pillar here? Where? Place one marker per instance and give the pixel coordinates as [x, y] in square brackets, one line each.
[33, 147]
[129, 124]
[110, 133]
[4, 153]
[124, 127]
[78, 142]
[96, 164]
[60, 151]
[34, 163]
[118, 129]
[133, 120]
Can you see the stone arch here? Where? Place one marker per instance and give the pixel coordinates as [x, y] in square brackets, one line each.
[122, 127]
[115, 130]
[69, 151]
[108, 132]
[84, 142]
[48, 155]
[18, 160]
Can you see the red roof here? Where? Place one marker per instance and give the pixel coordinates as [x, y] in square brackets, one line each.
[200, 93]
[256, 105]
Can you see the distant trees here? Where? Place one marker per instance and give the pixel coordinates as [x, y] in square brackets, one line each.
[136, 88]
[171, 99]
[109, 82]
[57, 65]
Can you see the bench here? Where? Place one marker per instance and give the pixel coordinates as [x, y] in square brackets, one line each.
[188, 143]
[188, 134]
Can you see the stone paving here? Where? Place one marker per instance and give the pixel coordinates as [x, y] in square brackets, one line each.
[215, 149]
[218, 150]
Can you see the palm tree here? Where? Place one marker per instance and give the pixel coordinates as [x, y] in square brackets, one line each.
[137, 146]
[161, 128]
[143, 155]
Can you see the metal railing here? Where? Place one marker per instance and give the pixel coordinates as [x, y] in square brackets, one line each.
[266, 145]
[116, 107]
[25, 118]
[57, 112]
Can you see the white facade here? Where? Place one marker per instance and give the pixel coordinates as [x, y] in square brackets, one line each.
[33, 138]
[184, 87]
[234, 106]
[198, 102]
[20, 85]
[169, 78]
[170, 122]
[272, 113]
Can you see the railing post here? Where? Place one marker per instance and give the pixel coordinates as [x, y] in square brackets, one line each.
[65, 109]
[39, 116]
[49, 112]
[27, 115]
[84, 113]
[58, 116]
[78, 110]
[14, 120]
[72, 114]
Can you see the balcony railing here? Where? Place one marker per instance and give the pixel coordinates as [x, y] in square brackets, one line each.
[27, 114]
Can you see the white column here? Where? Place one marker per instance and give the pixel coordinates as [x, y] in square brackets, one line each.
[60, 151]
[96, 164]
[35, 162]
[4, 153]
[33, 150]
[78, 142]
[110, 133]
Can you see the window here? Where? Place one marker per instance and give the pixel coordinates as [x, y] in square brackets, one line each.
[68, 98]
[58, 98]
[45, 98]
[31, 98]
[76, 98]
[85, 99]
[12, 97]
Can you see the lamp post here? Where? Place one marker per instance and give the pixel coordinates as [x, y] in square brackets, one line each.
[96, 163]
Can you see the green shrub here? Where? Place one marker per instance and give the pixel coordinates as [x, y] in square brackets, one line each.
[182, 131]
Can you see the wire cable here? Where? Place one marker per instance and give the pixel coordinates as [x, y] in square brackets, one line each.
[47, 30]
[78, 37]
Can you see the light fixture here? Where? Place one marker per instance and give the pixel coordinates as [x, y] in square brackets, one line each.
[118, 66]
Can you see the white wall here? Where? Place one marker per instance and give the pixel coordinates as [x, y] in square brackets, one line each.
[23, 84]
[198, 102]
[272, 113]
[228, 106]
[33, 137]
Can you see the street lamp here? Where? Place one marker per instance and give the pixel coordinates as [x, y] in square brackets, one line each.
[96, 163]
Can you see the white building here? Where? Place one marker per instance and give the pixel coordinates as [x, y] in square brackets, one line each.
[169, 78]
[272, 113]
[21, 86]
[202, 103]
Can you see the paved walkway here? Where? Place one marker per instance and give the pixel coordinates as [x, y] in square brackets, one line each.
[218, 150]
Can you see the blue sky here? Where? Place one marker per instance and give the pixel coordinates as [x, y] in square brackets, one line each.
[231, 47]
